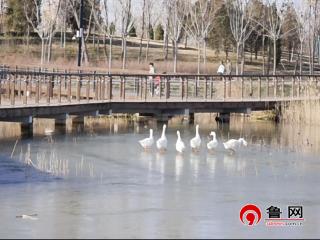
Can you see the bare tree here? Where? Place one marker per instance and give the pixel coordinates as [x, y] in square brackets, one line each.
[302, 19]
[313, 30]
[142, 29]
[165, 23]
[45, 14]
[106, 27]
[126, 26]
[174, 11]
[240, 14]
[62, 22]
[149, 7]
[198, 22]
[273, 25]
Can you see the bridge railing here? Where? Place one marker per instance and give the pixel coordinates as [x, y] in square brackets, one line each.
[22, 87]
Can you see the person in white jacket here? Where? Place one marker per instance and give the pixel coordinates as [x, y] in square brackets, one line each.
[152, 71]
[221, 69]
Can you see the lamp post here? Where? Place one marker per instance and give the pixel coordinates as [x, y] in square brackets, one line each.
[80, 33]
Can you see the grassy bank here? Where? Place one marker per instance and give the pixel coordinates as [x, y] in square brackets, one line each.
[15, 53]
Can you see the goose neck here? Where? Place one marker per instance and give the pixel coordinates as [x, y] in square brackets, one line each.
[163, 132]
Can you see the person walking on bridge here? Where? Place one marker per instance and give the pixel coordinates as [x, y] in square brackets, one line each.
[152, 71]
[221, 68]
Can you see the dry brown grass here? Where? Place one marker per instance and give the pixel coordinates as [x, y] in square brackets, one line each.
[302, 112]
[67, 59]
[9, 130]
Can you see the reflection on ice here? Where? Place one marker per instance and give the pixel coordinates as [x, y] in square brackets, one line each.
[160, 164]
[212, 162]
[179, 161]
[229, 163]
[194, 163]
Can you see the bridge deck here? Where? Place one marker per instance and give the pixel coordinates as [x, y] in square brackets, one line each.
[25, 93]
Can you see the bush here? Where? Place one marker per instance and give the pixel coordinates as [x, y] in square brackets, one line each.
[159, 33]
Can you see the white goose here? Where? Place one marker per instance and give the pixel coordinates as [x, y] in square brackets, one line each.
[213, 144]
[180, 147]
[195, 142]
[162, 142]
[233, 144]
[147, 142]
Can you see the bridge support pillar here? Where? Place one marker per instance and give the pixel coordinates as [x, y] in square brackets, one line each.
[188, 117]
[27, 127]
[61, 123]
[223, 117]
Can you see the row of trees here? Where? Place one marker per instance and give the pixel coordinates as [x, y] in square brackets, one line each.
[262, 27]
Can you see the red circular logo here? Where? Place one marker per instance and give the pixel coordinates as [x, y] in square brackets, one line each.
[250, 215]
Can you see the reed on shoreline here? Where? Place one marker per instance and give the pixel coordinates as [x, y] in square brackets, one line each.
[302, 112]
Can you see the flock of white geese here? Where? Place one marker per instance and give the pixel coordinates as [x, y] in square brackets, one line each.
[195, 143]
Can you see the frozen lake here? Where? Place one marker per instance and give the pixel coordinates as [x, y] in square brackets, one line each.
[102, 185]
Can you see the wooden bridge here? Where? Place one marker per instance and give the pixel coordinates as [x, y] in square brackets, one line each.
[27, 94]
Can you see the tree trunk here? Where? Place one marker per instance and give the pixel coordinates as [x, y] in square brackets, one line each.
[166, 50]
[124, 61]
[242, 58]
[110, 55]
[263, 55]
[61, 37]
[199, 57]
[94, 36]
[274, 56]
[310, 57]
[269, 58]
[105, 47]
[122, 47]
[301, 50]
[186, 41]
[84, 53]
[237, 63]
[292, 53]
[89, 25]
[205, 55]
[42, 50]
[147, 49]
[49, 48]
[166, 42]
[142, 31]
[175, 56]
[28, 37]
[64, 31]
[98, 50]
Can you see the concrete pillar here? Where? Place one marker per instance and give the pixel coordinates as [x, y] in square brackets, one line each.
[188, 117]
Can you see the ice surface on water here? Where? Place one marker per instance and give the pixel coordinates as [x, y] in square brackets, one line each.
[114, 189]
[13, 171]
